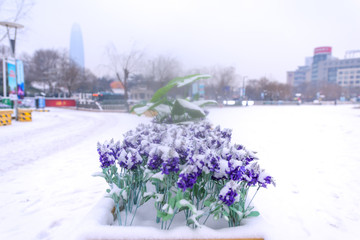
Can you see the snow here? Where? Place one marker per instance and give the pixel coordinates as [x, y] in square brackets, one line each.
[190, 106]
[47, 189]
[192, 79]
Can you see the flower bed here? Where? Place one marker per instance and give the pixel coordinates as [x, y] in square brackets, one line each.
[191, 169]
[175, 175]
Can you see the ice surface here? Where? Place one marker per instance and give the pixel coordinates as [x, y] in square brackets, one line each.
[47, 189]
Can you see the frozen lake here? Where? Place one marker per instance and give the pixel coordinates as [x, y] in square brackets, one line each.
[312, 151]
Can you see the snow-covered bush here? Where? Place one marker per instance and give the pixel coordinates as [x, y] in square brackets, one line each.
[191, 169]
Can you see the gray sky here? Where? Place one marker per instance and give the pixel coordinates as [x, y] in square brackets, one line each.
[258, 37]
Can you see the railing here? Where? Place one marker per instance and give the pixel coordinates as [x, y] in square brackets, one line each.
[101, 106]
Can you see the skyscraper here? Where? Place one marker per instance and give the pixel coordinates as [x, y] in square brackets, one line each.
[76, 45]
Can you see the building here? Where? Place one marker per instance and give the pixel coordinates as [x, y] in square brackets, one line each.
[348, 77]
[76, 45]
[324, 68]
[301, 75]
[321, 54]
[290, 77]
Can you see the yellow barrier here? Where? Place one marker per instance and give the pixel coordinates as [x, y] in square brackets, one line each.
[24, 115]
[42, 110]
[5, 117]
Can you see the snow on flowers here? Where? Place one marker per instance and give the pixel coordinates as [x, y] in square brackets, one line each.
[193, 169]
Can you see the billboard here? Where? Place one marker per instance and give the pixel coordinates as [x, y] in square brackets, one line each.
[20, 79]
[11, 71]
[322, 50]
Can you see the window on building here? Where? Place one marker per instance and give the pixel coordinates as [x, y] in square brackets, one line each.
[357, 76]
[357, 82]
[358, 71]
[346, 77]
[351, 77]
[340, 82]
[345, 82]
[351, 82]
[340, 72]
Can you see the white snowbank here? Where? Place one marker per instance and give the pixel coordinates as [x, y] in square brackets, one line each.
[47, 191]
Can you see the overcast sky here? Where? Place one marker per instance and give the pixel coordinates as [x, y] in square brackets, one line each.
[258, 37]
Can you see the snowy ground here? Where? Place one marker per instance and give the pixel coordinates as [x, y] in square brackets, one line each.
[46, 186]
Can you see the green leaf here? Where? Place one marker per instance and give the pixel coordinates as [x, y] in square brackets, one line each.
[202, 192]
[187, 195]
[179, 82]
[209, 201]
[190, 79]
[172, 202]
[167, 217]
[189, 221]
[196, 189]
[177, 109]
[161, 93]
[179, 195]
[225, 213]
[253, 214]
[137, 106]
[181, 106]
[145, 199]
[161, 214]
[203, 103]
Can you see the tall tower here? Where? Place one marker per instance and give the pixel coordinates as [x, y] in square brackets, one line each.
[76, 45]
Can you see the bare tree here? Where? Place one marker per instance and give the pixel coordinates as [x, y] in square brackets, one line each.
[43, 69]
[163, 68]
[123, 65]
[70, 73]
[223, 79]
[13, 11]
[264, 89]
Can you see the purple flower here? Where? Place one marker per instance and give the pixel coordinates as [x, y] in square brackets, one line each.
[235, 172]
[251, 177]
[226, 133]
[108, 152]
[228, 194]
[264, 179]
[239, 147]
[267, 181]
[154, 162]
[213, 163]
[130, 158]
[248, 159]
[187, 180]
[183, 153]
[170, 165]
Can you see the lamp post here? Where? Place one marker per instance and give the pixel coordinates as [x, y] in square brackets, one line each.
[12, 39]
[243, 88]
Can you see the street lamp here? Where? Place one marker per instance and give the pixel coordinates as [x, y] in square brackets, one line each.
[12, 39]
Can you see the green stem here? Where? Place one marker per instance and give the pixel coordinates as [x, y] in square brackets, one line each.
[252, 198]
[175, 212]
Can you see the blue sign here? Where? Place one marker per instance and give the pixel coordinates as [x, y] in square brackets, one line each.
[11, 71]
[20, 79]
